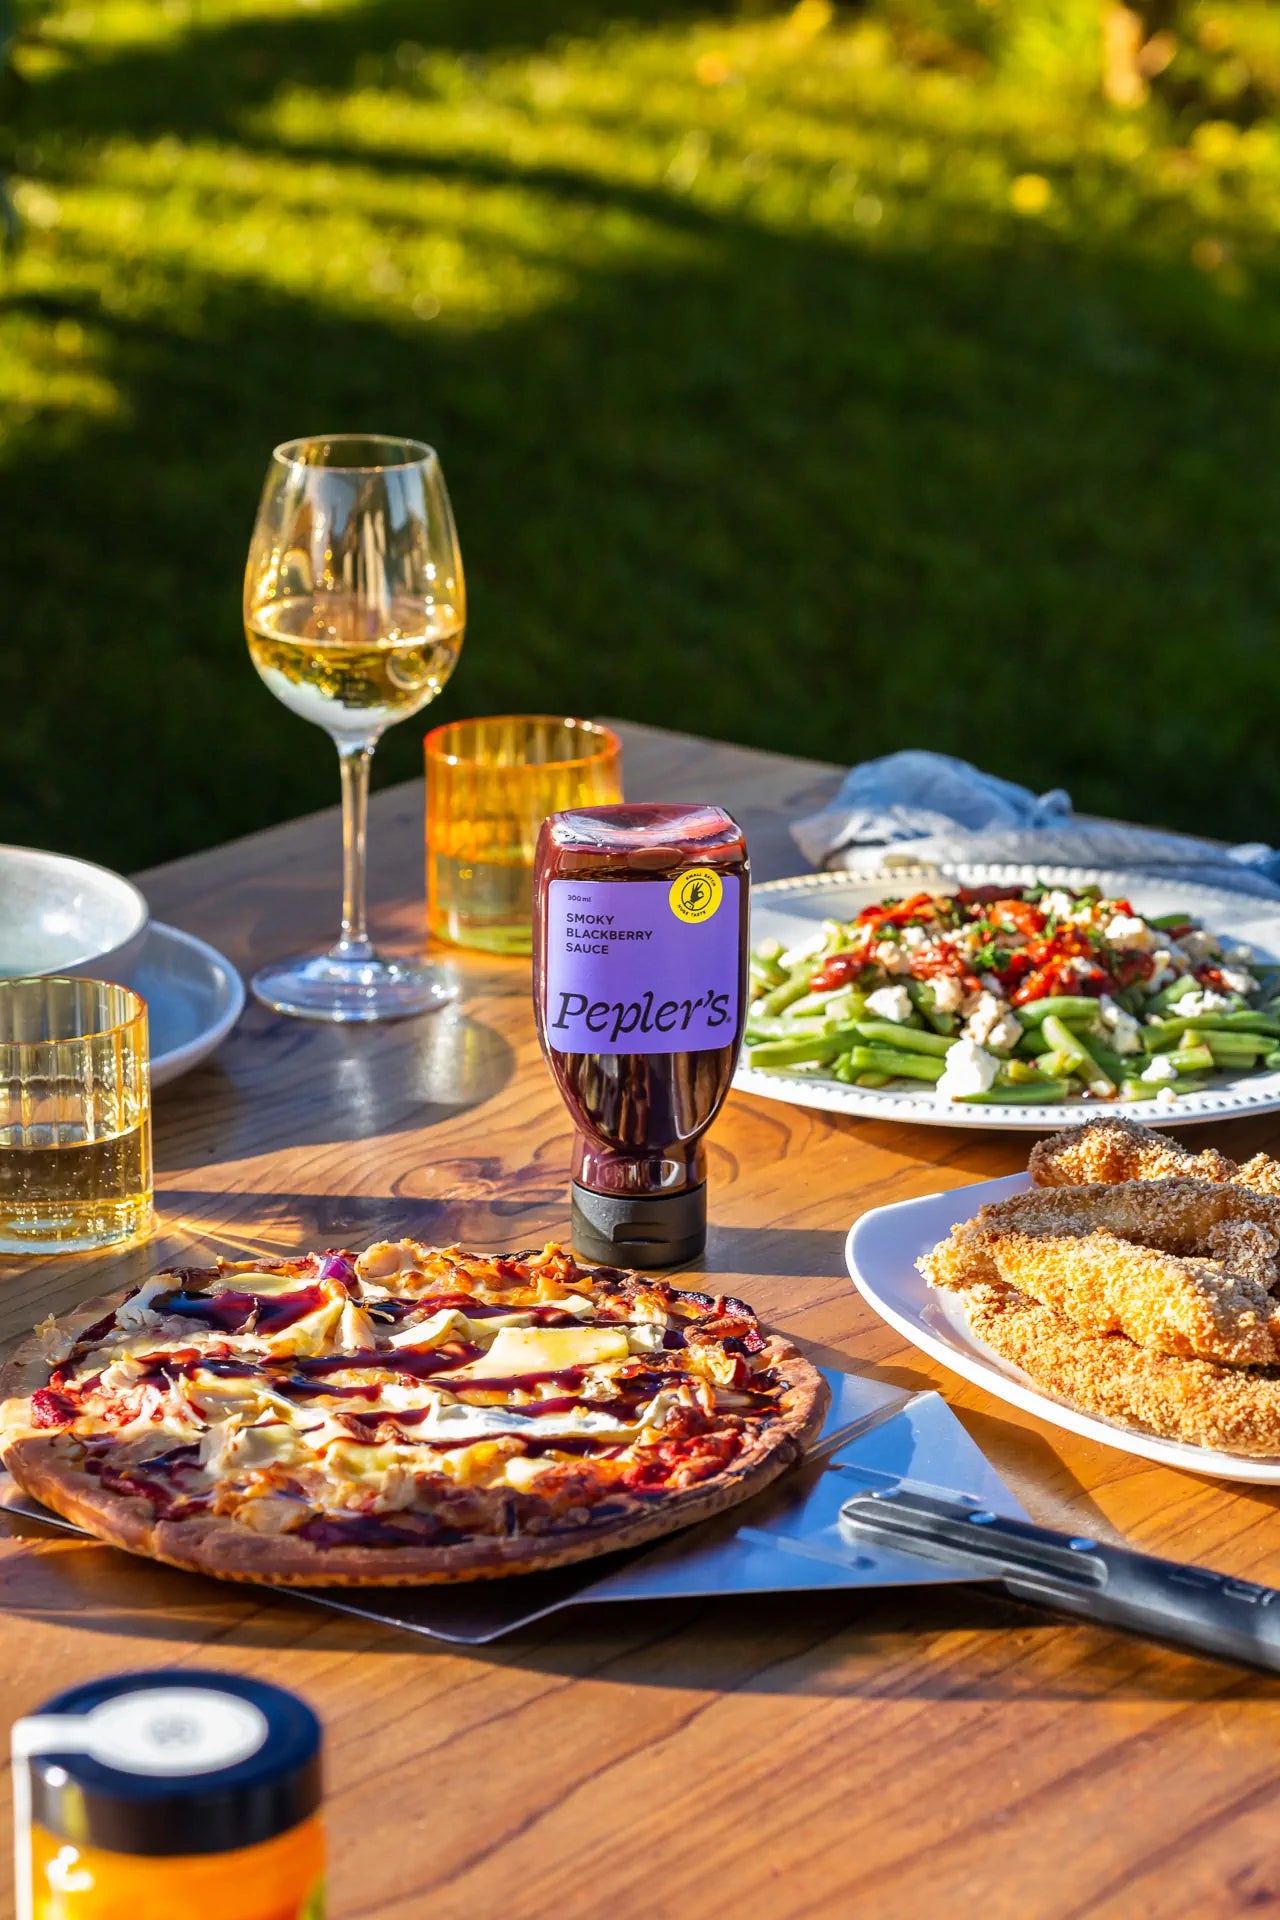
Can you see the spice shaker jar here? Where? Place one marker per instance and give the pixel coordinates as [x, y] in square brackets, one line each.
[169, 1795]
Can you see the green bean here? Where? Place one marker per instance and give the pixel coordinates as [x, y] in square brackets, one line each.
[1175, 991]
[842, 1069]
[779, 1029]
[1067, 1006]
[1237, 1049]
[890, 1034]
[793, 988]
[1057, 1065]
[767, 973]
[1049, 1092]
[794, 1053]
[910, 1066]
[1189, 1060]
[873, 1079]
[924, 1000]
[1243, 1020]
[1021, 1073]
[1094, 1076]
[1111, 1062]
[1131, 1089]
[811, 1003]
[1272, 1060]
[1025, 1073]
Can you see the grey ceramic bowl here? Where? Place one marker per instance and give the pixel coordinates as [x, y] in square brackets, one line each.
[59, 915]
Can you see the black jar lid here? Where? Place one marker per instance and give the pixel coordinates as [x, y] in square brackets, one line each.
[180, 1762]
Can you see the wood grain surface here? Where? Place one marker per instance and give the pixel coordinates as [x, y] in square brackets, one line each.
[932, 1752]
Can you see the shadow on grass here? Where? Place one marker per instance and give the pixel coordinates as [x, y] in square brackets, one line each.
[1015, 502]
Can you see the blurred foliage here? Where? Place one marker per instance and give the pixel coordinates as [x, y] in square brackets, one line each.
[831, 379]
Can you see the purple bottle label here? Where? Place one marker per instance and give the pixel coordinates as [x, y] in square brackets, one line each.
[643, 966]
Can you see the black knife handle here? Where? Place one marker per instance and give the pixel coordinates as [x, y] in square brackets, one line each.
[1186, 1606]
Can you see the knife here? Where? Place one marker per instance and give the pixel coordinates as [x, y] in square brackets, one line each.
[1185, 1606]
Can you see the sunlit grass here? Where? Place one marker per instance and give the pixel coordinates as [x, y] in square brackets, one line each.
[800, 376]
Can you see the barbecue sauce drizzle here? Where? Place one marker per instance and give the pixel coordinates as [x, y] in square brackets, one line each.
[159, 1478]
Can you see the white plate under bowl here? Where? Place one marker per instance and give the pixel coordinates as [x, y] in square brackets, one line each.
[792, 911]
[881, 1253]
[194, 997]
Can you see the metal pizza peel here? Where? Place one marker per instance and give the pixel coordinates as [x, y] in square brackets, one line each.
[788, 1539]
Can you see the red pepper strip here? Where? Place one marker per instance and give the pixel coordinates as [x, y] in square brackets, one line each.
[920, 905]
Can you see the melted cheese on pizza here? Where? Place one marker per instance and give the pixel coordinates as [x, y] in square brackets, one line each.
[408, 1394]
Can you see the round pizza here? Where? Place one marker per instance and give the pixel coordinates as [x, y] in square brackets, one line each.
[402, 1416]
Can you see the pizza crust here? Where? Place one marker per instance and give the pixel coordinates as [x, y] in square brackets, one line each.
[221, 1547]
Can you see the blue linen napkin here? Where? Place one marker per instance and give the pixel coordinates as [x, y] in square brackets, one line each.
[928, 809]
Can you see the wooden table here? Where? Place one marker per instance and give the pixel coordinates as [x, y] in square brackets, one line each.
[938, 1753]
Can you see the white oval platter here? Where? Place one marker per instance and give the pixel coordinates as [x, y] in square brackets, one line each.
[792, 911]
[881, 1252]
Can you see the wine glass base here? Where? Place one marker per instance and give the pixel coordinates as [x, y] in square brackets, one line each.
[324, 987]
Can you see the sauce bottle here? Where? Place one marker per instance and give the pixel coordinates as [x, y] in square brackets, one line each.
[170, 1795]
[639, 969]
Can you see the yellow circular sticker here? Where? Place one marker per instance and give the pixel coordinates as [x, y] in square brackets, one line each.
[696, 895]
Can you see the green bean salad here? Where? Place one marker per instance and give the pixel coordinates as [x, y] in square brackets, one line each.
[1015, 996]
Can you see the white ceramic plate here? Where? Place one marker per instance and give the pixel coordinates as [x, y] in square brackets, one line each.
[194, 997]
[792, 911]
[881, 1253]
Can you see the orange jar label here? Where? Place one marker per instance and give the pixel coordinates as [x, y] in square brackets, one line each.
[283, 1879]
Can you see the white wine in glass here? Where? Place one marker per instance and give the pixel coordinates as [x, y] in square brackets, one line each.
[354, 609]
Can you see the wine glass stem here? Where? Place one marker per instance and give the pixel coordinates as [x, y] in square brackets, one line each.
[353, 943]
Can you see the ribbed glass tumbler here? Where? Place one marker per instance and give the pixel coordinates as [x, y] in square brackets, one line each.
[75, 1115]
[490, 785]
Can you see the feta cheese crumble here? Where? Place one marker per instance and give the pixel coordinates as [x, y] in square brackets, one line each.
[991, 1024]
[1205, 1000]
[1123, 1031]
[1200, 945]
[1129, 931]
[948, 994]
[1160, 1070]
[968, 1069]
[890, 1003]
[893, 958]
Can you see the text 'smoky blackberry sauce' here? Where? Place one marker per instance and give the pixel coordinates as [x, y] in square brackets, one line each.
[639, 970]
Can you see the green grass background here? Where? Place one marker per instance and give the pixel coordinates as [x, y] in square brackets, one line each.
[829, 381]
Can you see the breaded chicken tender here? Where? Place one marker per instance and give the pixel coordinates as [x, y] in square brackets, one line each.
[1236, 1409]
[1261, 1173]
[1137, 1279]
[1189, 1307]
[1111, 1150]
[1193, 1218]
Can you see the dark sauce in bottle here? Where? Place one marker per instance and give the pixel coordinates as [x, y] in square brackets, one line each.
[640, 959]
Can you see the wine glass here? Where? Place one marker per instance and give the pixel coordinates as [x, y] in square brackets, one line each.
[354, 610]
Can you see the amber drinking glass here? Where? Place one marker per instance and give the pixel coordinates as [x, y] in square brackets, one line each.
[75, 1115]
[490, 785]
[354, 609]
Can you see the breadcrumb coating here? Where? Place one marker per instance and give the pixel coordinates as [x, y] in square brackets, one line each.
[1188, 1307]
[1191, 1218]
[1234, 1409]
[1262, 1173]
[1112, 1150]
